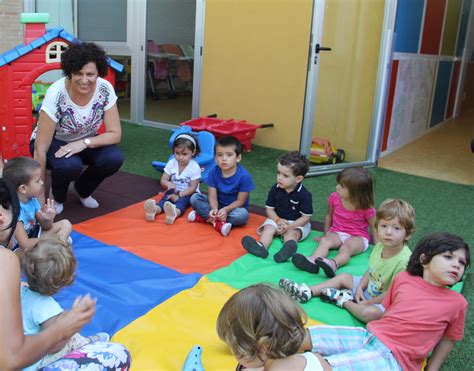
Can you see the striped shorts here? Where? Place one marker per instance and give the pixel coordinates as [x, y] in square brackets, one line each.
[351, 348]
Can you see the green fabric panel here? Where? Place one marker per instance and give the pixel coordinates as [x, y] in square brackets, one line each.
[249, 270]
[451, 24]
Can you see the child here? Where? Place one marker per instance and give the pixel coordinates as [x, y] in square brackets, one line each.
[180, 178]
[229, 185]
[422, 315]
[49, 267]
[24, 175]
[289, 209]
[264, 329]
[395, 225]
[349, 214]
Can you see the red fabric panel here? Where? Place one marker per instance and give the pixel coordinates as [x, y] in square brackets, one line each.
[388, 113]
[169, 245]
[452, 89]
[432, 27]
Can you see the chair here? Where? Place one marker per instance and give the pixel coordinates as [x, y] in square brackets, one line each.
[205, 159]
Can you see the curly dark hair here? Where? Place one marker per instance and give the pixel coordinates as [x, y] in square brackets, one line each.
[76, 56]
[49, 265]
[434, 244]
[9, 201]
[297, 162]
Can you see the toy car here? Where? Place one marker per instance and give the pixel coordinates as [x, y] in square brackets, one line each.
[322, 152]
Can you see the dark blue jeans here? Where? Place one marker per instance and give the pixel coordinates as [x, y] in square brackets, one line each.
[101, 163]
[181, 203]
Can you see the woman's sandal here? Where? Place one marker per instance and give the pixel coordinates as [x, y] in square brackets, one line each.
[335, 296]
[328, 268]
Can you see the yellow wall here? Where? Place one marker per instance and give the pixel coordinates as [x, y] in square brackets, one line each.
[347, 74]
[254, 65]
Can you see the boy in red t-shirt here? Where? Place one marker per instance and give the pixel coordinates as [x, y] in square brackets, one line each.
[422, 315]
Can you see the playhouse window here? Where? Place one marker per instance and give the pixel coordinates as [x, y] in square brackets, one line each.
[54, 51]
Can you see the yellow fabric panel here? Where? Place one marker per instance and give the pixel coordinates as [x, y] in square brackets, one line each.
[254, 65]
[348, 74]
[450, 30]
[162, 338]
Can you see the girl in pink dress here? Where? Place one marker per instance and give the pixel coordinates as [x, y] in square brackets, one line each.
[349, 215]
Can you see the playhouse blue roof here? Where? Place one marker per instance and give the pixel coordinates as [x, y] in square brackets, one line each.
[50, 34]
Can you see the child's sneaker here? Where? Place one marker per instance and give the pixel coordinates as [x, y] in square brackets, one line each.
[302, 292]
[286, 252]
[69, 240]
[170, 212]
[103, 337]
[193, 216]
[150, 210]
[335, 296]
[254, 247]
[222, 227]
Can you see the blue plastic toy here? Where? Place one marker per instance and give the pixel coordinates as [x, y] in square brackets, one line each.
[205, 159]
[193, 360]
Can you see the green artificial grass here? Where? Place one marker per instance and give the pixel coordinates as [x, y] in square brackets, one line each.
[439, 205]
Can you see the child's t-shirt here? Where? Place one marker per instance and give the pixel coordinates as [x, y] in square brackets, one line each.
[28, 213]
[417, 316]
[352, 222]
[229, 188]
[36, 309]
[182, 181]
[292, 205]
[383, 271]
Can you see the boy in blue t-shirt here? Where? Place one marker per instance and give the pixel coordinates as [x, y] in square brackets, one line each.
[229, 185]
[24, 175]
[289, 208]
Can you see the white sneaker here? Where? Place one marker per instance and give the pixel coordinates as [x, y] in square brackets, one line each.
[58, 207]
[89, 202]
[301, 292]
[192, 216]
[69, 240]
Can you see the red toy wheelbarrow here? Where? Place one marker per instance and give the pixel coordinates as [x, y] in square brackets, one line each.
[240, 129]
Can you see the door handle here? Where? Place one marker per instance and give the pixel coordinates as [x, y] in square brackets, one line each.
[321, 48]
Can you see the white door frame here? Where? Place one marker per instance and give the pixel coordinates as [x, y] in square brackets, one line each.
[381, 91]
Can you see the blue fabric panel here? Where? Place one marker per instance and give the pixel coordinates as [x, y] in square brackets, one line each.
[408, 25]
[441, 92]
[466, 8]
[126, 286]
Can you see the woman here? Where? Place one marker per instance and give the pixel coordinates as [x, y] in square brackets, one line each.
[66, 137]
[18, 351]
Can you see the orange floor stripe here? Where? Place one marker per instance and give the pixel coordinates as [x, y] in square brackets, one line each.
[169, 245]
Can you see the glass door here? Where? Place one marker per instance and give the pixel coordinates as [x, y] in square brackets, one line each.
[170, 44]
[348, 71]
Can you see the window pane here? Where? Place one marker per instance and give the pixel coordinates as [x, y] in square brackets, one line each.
[104, 20]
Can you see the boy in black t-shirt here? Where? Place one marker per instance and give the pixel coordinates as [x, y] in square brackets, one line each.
[289, 208]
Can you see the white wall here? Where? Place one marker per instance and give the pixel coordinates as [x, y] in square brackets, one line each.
[171, 21]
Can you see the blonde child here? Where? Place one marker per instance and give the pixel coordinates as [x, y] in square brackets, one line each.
[35, 221]
[350, 213]
[49, 267]
[180, 179]
[289, 208]
[264, 330]
[423, 317]
[363, 295]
